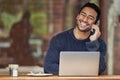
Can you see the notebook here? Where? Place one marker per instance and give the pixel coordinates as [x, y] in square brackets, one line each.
[74, 63]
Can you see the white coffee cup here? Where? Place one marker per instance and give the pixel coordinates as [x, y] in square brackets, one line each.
[13, 69]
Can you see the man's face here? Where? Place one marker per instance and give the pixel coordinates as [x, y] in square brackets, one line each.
[85, 19]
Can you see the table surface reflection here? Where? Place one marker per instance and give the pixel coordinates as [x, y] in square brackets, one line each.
[55, 77]
[24, 70]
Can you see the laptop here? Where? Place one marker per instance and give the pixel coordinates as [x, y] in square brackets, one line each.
[75, 63]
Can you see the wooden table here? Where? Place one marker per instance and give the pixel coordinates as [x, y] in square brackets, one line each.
[25, 77]
[24, 70]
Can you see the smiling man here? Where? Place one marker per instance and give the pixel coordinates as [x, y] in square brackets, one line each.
[85, 36]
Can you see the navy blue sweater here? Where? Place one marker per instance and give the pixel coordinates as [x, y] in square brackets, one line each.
[66, 41]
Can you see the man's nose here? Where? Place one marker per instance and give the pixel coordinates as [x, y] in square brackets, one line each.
[85, 19]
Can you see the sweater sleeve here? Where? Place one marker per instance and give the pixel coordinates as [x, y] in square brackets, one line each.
[51, 63]
[99, 45]
[93, 46]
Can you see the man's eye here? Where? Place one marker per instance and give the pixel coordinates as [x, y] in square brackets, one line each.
[83, 14]
[91, 18]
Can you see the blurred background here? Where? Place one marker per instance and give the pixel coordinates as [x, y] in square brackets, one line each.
[26, 27]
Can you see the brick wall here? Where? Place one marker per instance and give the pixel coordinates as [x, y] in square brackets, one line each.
[58, 15]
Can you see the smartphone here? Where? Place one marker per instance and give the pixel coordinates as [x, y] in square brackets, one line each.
[93, 30]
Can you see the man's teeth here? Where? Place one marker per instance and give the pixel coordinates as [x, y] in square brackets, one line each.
[82, 23]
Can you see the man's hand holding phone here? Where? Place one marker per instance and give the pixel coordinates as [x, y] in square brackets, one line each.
[96, 34]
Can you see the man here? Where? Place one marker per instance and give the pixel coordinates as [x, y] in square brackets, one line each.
[83, 37]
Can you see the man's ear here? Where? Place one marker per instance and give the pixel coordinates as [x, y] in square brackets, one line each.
[98, 22]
